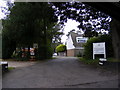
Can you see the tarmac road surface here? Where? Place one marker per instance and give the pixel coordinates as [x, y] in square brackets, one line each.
[63, 72]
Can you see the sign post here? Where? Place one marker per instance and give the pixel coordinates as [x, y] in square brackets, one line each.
[99, 48]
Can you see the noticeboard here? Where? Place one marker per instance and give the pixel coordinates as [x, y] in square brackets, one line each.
[99, 48]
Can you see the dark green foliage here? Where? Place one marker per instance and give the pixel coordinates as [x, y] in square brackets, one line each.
[79, 54]
[88, 52]
[0, 46]
[84, 14]
[49, 51]
[29, 23]
[61, 48]
[90, 61]
[8, 47]
[42, 54]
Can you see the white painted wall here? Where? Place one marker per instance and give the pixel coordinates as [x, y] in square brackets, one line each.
[69, 43]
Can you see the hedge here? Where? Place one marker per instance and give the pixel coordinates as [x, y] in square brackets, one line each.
[61, 48]
[88, 47]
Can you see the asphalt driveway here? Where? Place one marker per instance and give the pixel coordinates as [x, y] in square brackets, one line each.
[63, 72]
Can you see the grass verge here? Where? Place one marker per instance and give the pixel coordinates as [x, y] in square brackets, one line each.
[89, 61]
[111, 64]
[11, 68]
[96, 61]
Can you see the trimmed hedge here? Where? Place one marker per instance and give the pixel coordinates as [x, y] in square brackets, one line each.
[88, 52]
[61, 48]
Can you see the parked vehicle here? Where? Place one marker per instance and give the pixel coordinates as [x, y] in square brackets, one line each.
[54, 54]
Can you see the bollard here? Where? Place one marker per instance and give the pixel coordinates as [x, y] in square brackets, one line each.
[102, 61]
[4, 66]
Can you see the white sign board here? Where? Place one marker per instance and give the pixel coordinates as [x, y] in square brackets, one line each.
[81, 39]
[99, 48]
[35, 45]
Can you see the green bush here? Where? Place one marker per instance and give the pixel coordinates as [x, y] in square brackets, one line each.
[89, 61]
[44, 51]
[8, 47]
[88, 52]
[49, 52]
[61, 48]
[79, 54]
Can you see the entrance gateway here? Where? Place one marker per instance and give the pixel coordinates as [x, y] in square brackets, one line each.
[99, 48]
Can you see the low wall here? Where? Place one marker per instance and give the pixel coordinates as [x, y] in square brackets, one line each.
[70, 52]
[62, 54]
[78, 51]
[75, 52]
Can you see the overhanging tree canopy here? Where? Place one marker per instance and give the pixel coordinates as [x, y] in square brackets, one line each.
[84, 13]
[87, 16]
[30, 23]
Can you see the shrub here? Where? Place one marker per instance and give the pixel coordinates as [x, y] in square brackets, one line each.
[88, 52]
[8, 47]
[79, 54]
[61, 48]
[44, 51]
[89, 61]
[42, 54]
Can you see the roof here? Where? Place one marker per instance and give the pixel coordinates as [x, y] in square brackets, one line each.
[73, 36]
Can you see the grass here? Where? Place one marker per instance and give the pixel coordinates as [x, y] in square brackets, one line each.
[11, 68]
[112, 60]
[111, 64]
[89, 61]
[54, 58]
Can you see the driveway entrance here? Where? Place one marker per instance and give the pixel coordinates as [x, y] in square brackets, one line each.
[63, 72]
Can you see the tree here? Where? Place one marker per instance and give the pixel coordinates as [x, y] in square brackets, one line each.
[30, 23]
[61, 48]
[89, 18]
[0, 46]
[8, 44]
[84, 14]
[57, 34]
[88, 52]
[115, 26]
[111, 9]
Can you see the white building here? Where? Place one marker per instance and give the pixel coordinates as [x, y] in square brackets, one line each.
[75, 44]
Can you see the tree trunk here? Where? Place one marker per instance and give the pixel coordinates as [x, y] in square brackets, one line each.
[115, 31]
[45, 39]
[28, 53]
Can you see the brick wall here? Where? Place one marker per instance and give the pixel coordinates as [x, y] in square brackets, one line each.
[77, 51]
[62, 54]
[74, 52]
[70, 52]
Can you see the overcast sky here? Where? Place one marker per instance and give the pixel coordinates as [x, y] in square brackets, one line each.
[70, 25]
[2, 4]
